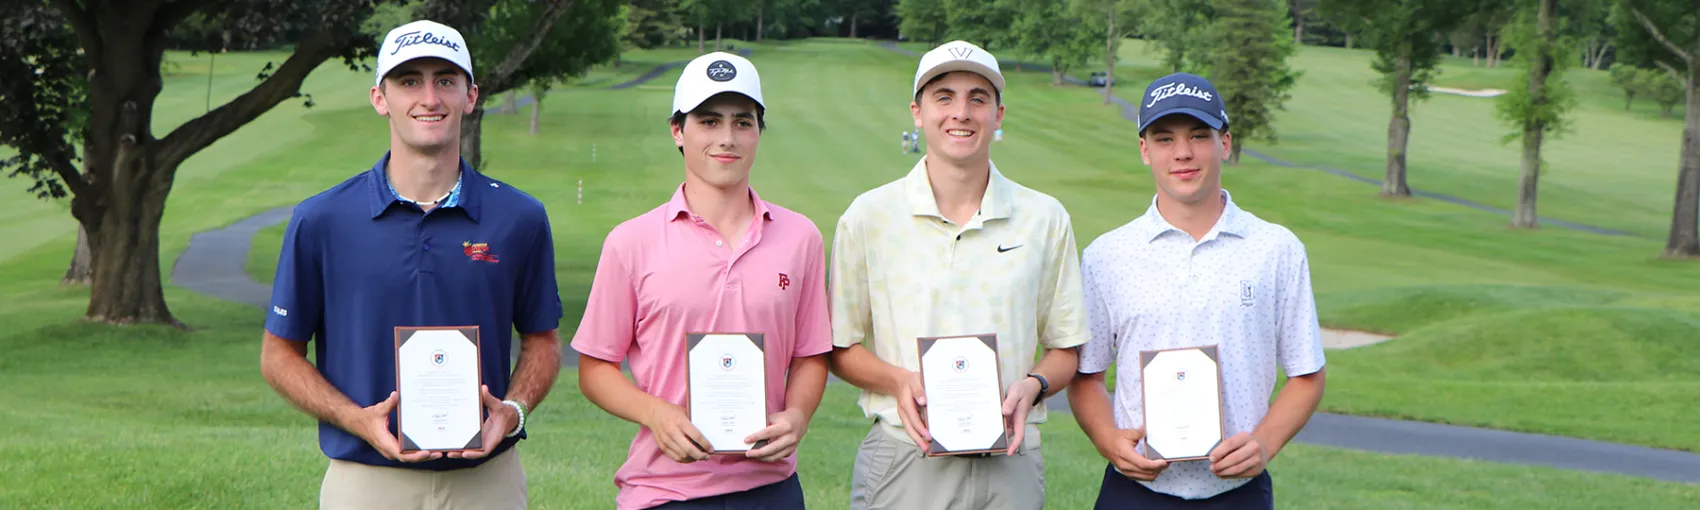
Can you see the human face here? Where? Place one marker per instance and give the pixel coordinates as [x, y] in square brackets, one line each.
[958, 113]
[719, 140]
[1186, 157]
[425, 100]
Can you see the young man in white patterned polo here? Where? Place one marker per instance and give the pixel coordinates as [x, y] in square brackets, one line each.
[953, 248]
[1196, 270]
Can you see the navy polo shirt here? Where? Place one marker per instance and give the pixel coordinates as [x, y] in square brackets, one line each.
[357, 262]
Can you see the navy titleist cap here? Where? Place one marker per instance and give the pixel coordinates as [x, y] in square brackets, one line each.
[1182, 93]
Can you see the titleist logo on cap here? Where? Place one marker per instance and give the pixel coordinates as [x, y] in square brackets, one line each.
[412, 38]
[1176, 89]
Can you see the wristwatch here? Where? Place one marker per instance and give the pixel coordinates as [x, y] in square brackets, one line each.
[1044, 386]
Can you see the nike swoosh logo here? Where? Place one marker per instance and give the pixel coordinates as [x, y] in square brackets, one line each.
[1002, 249]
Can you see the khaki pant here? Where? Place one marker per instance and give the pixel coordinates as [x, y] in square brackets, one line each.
[891, 473]
[497, 484]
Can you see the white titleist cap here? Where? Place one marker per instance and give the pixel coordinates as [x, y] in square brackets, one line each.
[422, 39]
[958, 56]
[712, 74]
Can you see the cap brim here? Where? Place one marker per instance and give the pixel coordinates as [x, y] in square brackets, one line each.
[1210, 120]
[692, 104]
[961, 65]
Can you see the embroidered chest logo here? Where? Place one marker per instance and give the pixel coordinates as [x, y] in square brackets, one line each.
[1248, 293]
[784, 281]
[478, 252]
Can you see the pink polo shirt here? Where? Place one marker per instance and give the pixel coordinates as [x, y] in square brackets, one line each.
[666, 273]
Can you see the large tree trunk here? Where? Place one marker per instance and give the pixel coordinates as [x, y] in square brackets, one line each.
[1348, 40]
[1399, 128]
[853, 25]
[80, 272]
[700, 35]
[1684, 234]
[122, 210]
[761, 10]
[472, 136]
[1110, 57]
[1539, 68]
[1057, 74]
[1234, 154]
[717, 36]
[1298, 24]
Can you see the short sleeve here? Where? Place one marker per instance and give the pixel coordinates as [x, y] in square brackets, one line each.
[1300, 344]
[297, 303]
[851, 318]
[610, 314]
[814, 324]
[537, 302]
[1062, 322]
[1100, 349]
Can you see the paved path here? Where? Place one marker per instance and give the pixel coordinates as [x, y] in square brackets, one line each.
[214, 264]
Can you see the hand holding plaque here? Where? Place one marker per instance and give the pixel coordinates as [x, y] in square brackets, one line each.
[1183, 402]
[728, 389]
[964, 413]
[438, 381]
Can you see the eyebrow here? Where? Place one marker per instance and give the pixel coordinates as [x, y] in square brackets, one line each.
[973, 91]
[717, 115]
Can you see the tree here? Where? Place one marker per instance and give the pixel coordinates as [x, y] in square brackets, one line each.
[1051, 31]
[1674, 25]
[1249, 67]
[1537, 109]
[1182, 28]
[1405, 35]
[984, 23]
[520, 41]
[1114, 19]
[1632, 80]
[97, 73]
[1588, 22]
[923, 20]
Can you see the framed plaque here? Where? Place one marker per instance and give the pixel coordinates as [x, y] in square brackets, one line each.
[1182, 392]
[727, 392]
[964, 411]
[438, 375]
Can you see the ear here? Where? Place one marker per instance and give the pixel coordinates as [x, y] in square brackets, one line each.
[999, 123]
[915, 111]
[379, 103]
[472, 99]
[1227, 144]
[1144, 152]
[678, 133]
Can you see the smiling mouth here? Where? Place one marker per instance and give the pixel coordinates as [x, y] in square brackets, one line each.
[959, 133]
[428, 118]
[724, 158]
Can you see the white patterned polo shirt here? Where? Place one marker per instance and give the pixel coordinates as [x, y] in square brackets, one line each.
[901, 271]
[1245, 287]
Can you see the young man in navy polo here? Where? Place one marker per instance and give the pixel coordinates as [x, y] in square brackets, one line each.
[421, 239]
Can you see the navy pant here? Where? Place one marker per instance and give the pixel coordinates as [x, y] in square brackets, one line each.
[1119, 491]
[783, 495]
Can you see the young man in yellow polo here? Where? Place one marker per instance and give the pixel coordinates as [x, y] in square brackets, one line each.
[953, 248]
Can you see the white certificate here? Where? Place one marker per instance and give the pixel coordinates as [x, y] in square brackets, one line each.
[437, 381]
[964, 412]
[1183, 402]
[728, 389]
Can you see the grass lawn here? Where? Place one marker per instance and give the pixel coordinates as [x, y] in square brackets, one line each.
[1551, 330]
[1615, 170]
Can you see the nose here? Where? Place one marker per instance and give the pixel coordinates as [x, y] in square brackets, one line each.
[432, 98]
[1183, 151]
[961, 111]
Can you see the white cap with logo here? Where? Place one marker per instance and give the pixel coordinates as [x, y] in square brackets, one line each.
[958, 56]
[715, 73]
[423, 39]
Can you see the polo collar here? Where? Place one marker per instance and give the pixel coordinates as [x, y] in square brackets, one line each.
[464, 197]
[1152, 225]
[677, 207]
[994, 204]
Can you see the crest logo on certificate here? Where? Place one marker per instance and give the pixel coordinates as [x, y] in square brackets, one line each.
[438, 374]
[727, 392]
[962, 380]
[1183, 411]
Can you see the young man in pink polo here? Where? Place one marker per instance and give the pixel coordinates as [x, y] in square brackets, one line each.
[716, 258]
